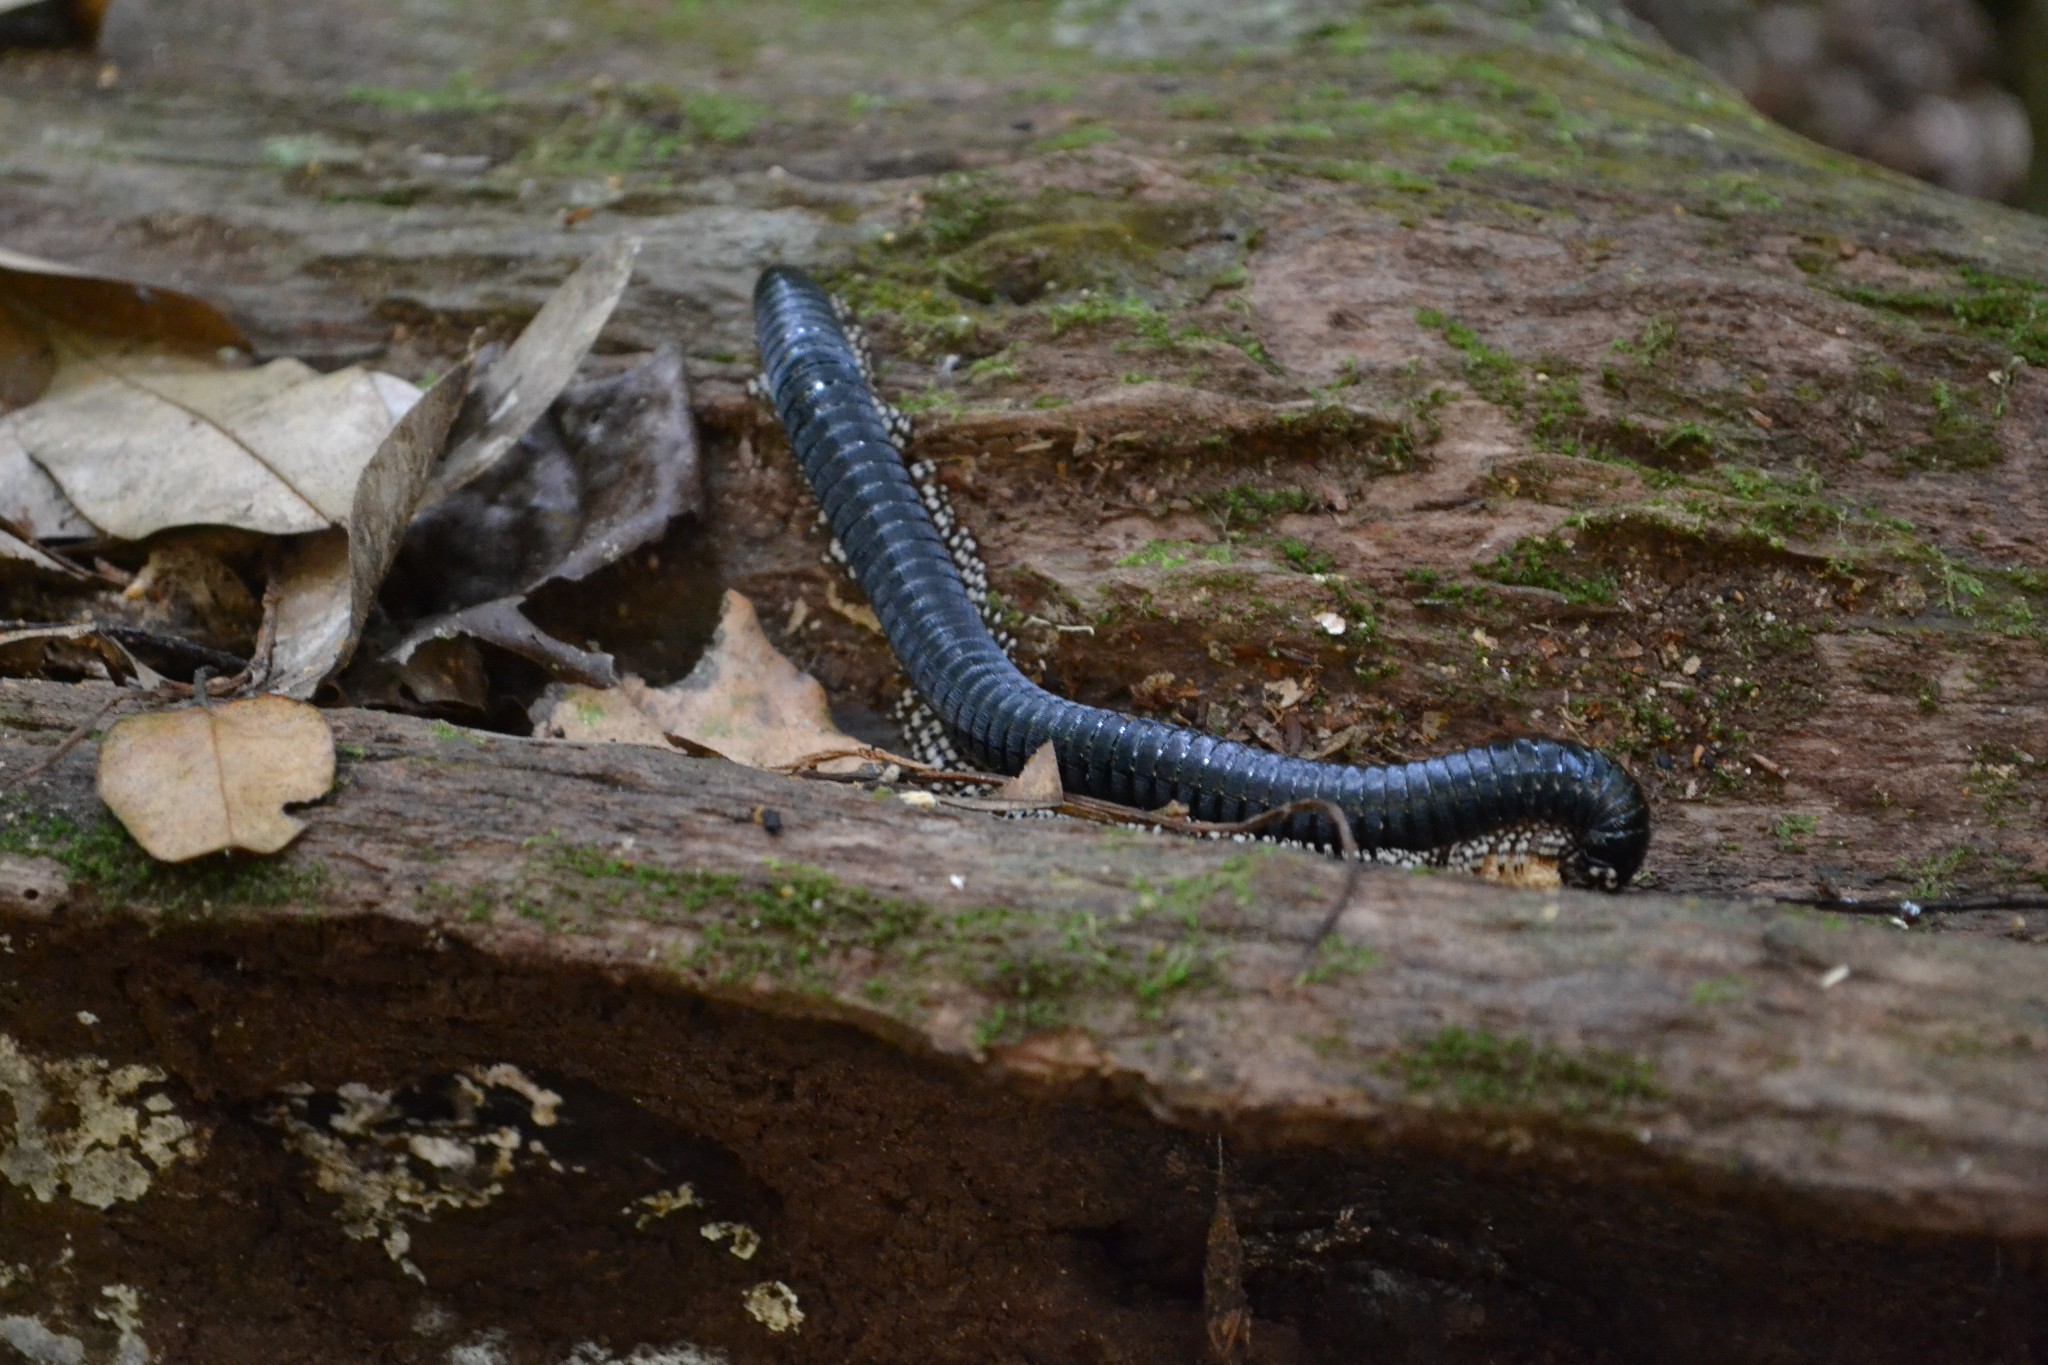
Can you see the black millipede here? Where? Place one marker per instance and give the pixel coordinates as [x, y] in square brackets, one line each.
[1496, 804]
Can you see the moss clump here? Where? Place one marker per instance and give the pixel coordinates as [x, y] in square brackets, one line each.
[1493, 374]
[1245, 507]
[785, 925]
[1078, 137]
[1473, 1066]
[1305, 558]
[459, 94]
[1335, 959]
[1041, 985]
[1539, 562]
[979, 246]
[2009, 313]
[101, 857]
[1096, 311]
[1719, 990]
[1168, 554]
[1960, 435]
[1792, 830]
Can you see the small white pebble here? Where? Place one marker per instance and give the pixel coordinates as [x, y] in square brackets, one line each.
[959, 882]
[1331, 623]
[88, 1018]
[922, 800]
[1834, 976]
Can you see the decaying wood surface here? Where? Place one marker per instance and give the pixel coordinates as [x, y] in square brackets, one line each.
[1564, 1061]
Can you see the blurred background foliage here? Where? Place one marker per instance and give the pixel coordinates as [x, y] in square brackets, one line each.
[1952, 91]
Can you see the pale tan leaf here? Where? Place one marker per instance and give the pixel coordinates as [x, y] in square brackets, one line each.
[743, 701]
[330, 579]
[40, 299]
[143, 440]
[747, 702]
[30, 498]
[1039, 783]
[204, 779]
[598, 715]
[513, 392]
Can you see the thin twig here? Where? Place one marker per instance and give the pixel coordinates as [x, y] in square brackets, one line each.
[1910, 909]
[69, 742]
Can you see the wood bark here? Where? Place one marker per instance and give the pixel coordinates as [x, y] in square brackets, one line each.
[1597, 1110]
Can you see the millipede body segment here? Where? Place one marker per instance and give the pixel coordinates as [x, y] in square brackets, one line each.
[1498, 803]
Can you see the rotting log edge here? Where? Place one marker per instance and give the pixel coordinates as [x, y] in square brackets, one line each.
[1908, 1101]
[416, 787]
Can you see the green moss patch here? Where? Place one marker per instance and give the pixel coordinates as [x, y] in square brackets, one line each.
[800, 927]
[1546, 562]
[101, 858]
[981, 246]
[1475, 1067]
[2009, 313]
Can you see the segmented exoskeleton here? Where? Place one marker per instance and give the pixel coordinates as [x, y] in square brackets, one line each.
[1523, 798]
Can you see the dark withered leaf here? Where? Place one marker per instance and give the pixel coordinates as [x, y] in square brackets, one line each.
[636, 449]
[501, 623]
[613, 462]
[47, 23]
[498, 537]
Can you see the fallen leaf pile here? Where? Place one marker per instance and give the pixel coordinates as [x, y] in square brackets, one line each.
[170, 508]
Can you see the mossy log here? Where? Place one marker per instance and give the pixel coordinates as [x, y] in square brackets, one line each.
[969, 1081]
[1587, 401]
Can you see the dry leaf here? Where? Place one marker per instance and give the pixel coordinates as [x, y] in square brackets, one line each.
[30, 498]
[747, 702]
[1226, 1307]
[141, 419]
[608, 469]
[81, 650]
[138, 440]
[441, 675]
[45, 292]
[591, 715]
[1039, 783]
[501, 623]
[512, 394]
[1284, 695]
[204, 779]
[188, 587]
[743, 701]
[35, 556]
[603, 474]
[330, 580]
[26, 363]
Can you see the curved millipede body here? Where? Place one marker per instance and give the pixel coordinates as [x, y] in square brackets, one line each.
[1525, 797]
